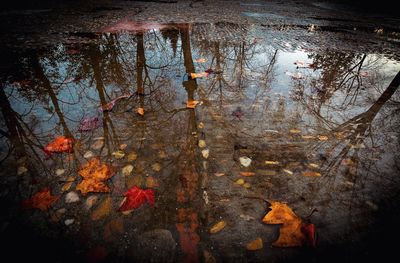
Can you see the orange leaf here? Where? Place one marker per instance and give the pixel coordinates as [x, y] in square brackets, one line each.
[200, 60]
[311, 173]
[198, 75]
[92, 186]
[41, 200]
[247, 174]
[293, 232]
[140, 111]
[191, 104]
[94, 174]
[255, 244]
[59, 144]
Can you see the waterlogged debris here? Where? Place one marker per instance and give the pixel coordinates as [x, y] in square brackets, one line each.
[60, 144]
[293, 232]
[247, 174]
[140, 111]
[295, 75]
[98, 144]
[219, 174]
[267, 172]
[295, 131]
[21, 170]
[88, 155]
[245, 161]
[94, 174]
[109, 106]
[202, 143]
[71, 197]
[90, 201]
[162, 154]
[307, 137]
[132, 156]
[311, 174]
[156, 167]
[256, 244]
[323, 137]
[347, 162]
[205, 153]
[135, 197]
[112, 229]
[239, 182]
[191, 104]
[200, 60]
[60, 172]
[102, 210]
[68, 222]
[218, 227]
[127, 170]
[118, 154]
[288, 171]
[88, 124]
[151, 182]
[42, 200]
[271, 162]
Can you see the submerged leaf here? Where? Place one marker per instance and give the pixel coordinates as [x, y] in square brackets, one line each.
[247, 174]
[199, 75]
[59, 145]
[217, 227]
[102, 210]
[42, 200]
[127, 170]
[311, 173]
[255, 244]
[135, 197]
[271, 162]
[109, 106]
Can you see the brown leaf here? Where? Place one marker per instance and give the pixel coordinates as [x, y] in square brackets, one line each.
[140, 111]
[247, 174]
[311, 173]
[217, 227]
[151, 182]
[256, 244]
[102, 210]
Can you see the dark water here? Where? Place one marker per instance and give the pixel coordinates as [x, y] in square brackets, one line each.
[333, 116]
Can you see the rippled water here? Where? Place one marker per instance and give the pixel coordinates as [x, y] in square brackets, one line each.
[320, 125]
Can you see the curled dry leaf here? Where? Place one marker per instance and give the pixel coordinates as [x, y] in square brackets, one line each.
[256, 244]
[156, 167]
[90, 201]
[200, 60]
[199, 75]
[218, 227]
[21, 170]
[219, 174]
[42, 200]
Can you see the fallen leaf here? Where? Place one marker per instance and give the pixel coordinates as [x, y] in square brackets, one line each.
[247, 174]
[311, 173]
[307, 137]
[295, 131]
[255, 244]
[245, 161]
[200, 60]
[42, 200]
[271, 162]
[71, 197]
[151, 182]
[313, 165]
[98, 144]
[59, 145]
[246, 185]
[202, 143]
[102, 210]
[217, 227]
[132, 156]
[68, 222]
[199, 75]
[88, 155]
[118, 154]
[191, 104]
[323, 137]
[66, 186]
[88, 124]
[21, 170]
[239, 182]
[135, 197]
[94, 174]
[127, 170]
[156, 167]
[292, 232]
[140, 111]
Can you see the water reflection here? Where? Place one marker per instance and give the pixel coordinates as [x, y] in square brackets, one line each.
[335, 118]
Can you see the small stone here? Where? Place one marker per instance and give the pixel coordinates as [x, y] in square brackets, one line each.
[245, 161]
[127, 170]
[69, 221]
[21, 170]
[88, 155]
[90, 201]
[71, 197]
[60, 172]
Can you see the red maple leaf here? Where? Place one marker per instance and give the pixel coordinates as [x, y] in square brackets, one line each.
[58, 145]
[135, 197]
[41, 200]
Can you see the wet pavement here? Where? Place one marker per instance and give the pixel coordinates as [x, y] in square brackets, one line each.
[214, 112]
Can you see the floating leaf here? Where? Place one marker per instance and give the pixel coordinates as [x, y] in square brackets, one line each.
[42, 200]
[135, 197]
[59, 145]
[313, 165]
[217, 227]
[71, 197]
[102, 210]
[68, 222]
[271, 162]
[191, 104]
[90, 201]
[323, 137]
[140, 111]
[307, 137]
[311, 173]
[94, 174]
[292, 232]
[239, 182]
[200, 125]
[132, 156]
[246, 185]
[245, 161]
[127, 170]
[255, 244]
[98, 144]
[118, 154]
[88, 124]
[202, 143]
[247, 174]
[21, 170]
[60, 172]
[347, 162]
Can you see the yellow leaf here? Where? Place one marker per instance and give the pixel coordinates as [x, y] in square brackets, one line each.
[311, 173]
[151, 182]
[202, 143]
[295, 131]
[156, 167]
[239, 181]
[217, 227]
[313, 165]
[127, 170]
[191, 104]
[132, 156]
[200, 60]
[271, 162]
[102, 210]
[246, 185]
[256, 244]
[118, 154]
[322, 137]
[140, 111]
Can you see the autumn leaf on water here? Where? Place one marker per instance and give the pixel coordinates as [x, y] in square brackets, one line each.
[311, 174]
[135, 197]
[191, 104]
[293, 232]
[94, 174]
[256, 244]
[59, 145]
[140, 111]
[42, 200]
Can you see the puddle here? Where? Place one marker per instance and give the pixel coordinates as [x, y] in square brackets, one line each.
[314, 128]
